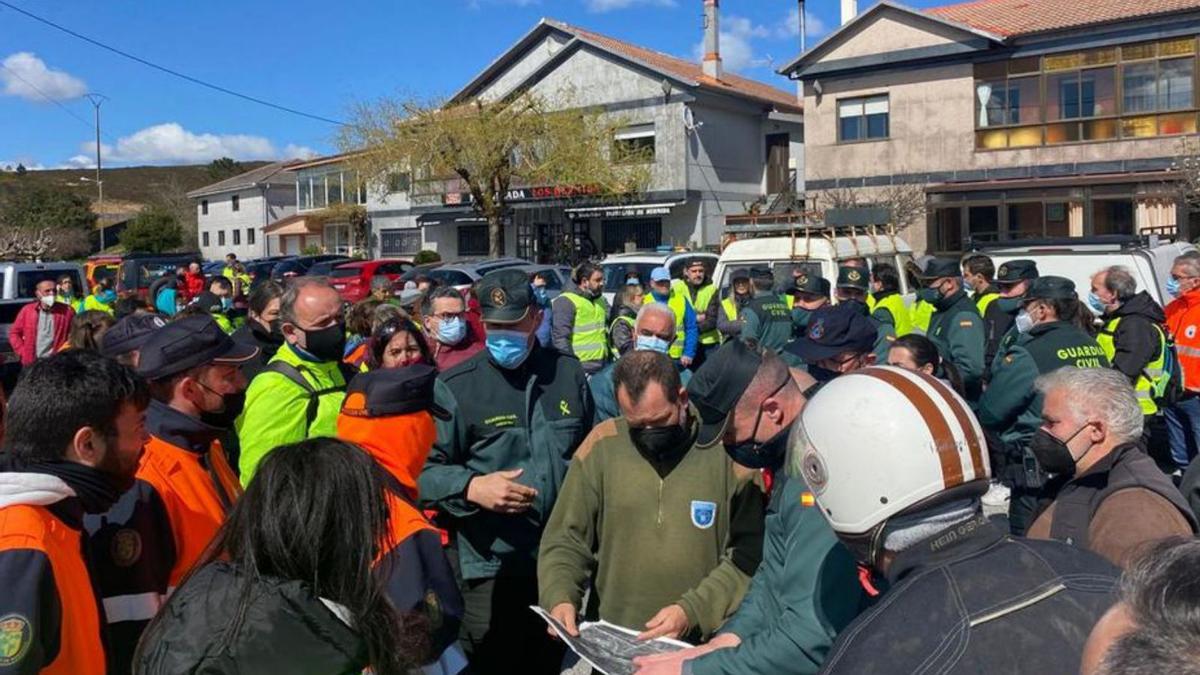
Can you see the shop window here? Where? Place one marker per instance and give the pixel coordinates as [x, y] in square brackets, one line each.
[645, 233]
[1058, 219]
[983, 223]
[1112, 216]
[473, 240]
[1026, 221]
[863, 119]
[634, 144]
[947, 229]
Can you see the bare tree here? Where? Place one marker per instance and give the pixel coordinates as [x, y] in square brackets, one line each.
[1185, 173]
[905, 201]
[26, 243]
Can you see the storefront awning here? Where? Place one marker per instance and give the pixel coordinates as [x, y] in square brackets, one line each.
[623, 210]
[450, 217]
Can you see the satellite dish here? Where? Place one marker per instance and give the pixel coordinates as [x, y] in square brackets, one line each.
[689, 120]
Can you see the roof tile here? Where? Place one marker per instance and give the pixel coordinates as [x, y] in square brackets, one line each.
[1011, 18]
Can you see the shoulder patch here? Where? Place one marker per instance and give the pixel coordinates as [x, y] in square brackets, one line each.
[966, 323]
[604, 430]
[16, 635]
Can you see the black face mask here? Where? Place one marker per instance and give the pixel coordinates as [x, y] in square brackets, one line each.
[859, 306]
[327, 344]
[1053, 454]
[766, 455]
[224, 418]
[661, 443]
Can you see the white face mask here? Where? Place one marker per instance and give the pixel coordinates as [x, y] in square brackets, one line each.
[1024, 321]
[47, 301]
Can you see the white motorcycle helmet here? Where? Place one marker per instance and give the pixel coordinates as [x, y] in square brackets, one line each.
[882, 441]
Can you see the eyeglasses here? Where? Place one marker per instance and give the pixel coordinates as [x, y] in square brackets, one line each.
[448, 316]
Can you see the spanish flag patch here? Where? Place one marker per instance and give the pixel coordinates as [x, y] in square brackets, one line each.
[807, 499]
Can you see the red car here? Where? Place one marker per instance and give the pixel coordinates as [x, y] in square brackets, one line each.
[352, 280]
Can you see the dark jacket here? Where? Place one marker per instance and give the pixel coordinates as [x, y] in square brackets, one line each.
[1136, 340]
[957, 330]
[1116, 507]
[996, 322]
[286, 629]
[252, 334]
[971, 599]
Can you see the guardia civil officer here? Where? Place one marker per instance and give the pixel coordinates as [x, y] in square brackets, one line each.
[853, 290]
[768, 318]
[517, 412]
[1011, 408]
[808, 294]
[1013, 280]
[979, 272]
[955, 327]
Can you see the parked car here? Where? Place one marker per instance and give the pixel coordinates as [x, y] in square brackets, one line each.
[1149, 258]
[139, 270]
[462, 274]
[616, 266]
[17, 284]
[300, 266]
[557, 281]
[101, 266]
[260, 270]
[353, 279]
[213, 269]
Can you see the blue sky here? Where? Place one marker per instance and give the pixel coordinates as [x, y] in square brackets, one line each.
[319, 57]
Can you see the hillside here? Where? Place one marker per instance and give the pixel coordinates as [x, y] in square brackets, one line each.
[133, 185]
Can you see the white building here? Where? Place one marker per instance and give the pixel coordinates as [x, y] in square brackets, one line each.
[231, 214]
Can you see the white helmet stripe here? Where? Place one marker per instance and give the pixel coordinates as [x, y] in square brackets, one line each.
[943, 437]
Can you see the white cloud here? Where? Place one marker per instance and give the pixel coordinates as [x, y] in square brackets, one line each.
[737, 52]
[27, 76]
[171, 143]
[80, 162]
[610, 5]
[790, 26]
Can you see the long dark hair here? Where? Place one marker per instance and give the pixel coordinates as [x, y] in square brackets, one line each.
[388, 330]
[88, 327]
[1075, 312]
[925, 353]
[317, 512]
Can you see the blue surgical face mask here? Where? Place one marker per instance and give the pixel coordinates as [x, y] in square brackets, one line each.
[107, 297]
[930, 295]
[1024, 321]
[1173, 288]
[508, 348]
[451, 331]
[226, 303]
[1096, 303]
[652, 343]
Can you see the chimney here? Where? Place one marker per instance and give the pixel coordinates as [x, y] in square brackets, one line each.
[849, 10]
[712, 40]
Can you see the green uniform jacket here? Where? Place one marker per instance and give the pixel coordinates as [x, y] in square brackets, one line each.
[957, 330]
[692, 538]
[768, 320]
[276, 410]
[805, 592]
[1011, 407]
[532, 419]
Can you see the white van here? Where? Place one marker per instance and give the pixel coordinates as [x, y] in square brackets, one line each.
[1149, 258]
[818, 250]
[617, 265]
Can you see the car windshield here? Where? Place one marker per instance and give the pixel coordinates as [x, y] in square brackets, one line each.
[344, 272]
[27, 281]
[150, 272]
[615, 273]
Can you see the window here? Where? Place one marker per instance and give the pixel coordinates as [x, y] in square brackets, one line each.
[1112, 216]
[646, 233]
[337, 239]
[304, 193]
[1133, 91]
[318, 192]
[399, 242]
[250, 235]
[399, 182]
[204, 239]
[220, 237]
[237, 237]
[472, 240]
[863, 119]
[333, 188]
[947, 228]
[236, 202]
[204, 207]
[634, 144]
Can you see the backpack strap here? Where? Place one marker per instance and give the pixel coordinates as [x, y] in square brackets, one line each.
[314, 395]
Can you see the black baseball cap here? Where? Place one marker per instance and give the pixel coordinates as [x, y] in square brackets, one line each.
[810, 284]
[939, 268]
[129, 334]
[504, 296]
[833, 330]
[1016, 271]
[740, 274]
[763, 273]
[716, 387]
[853, 277]
[1052, 288]
[187, 343]
[388, 392]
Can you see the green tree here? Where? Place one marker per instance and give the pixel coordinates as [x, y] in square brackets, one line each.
[154, 230]
[225, 167]
[486, 148]
[426, 256]
[39, 208]
[21, 170]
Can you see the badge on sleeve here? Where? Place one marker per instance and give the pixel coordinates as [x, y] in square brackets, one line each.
[16, 635]
[704, 514]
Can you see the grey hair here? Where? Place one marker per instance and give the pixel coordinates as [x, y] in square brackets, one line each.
[660, 309]
[1190, 262]
[1120, 282]
[291, 294]
[1160, 593]
[385, 313]
[439, 292]
[1099, 393]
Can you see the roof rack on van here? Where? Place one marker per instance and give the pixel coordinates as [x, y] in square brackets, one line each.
[1149, 238]
[802, 227]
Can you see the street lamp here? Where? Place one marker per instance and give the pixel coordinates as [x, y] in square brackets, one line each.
[100, 208]
[96, 100]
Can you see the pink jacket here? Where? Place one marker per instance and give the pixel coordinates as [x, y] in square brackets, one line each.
[23, 334]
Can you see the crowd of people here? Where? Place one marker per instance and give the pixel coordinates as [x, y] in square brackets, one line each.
[227, 476]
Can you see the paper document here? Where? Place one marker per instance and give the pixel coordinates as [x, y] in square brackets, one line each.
[609, 647]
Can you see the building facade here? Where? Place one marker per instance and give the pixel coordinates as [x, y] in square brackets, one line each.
[1029, 119]
[232, 214]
